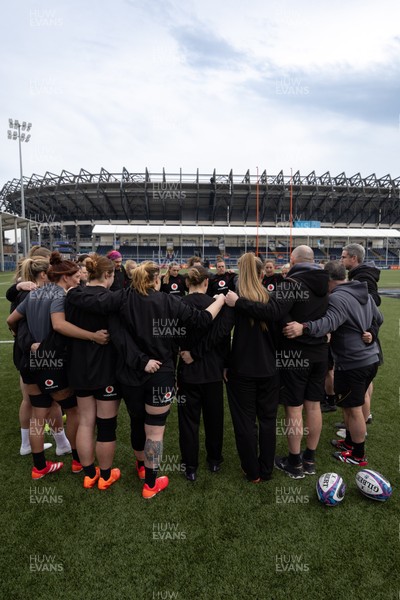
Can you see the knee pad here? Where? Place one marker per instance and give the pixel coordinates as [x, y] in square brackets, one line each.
[69, 402]
[106, 429]
[40, 400]
[158, 420]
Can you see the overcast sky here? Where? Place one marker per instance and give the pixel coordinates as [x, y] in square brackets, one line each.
[224, 84]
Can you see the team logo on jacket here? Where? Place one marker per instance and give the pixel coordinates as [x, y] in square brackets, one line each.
[221, 283]
[109, 389]
[174, 287]
[270, 287]
[49, 382]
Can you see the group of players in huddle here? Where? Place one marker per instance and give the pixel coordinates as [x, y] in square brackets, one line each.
[92, 332]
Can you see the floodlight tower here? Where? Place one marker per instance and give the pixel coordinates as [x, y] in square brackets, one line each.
[14, 133]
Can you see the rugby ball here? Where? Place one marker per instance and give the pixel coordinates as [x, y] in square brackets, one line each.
[373, 485]
[330, 489]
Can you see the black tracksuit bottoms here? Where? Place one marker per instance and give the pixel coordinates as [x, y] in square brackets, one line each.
[253, 403]
[193, 399]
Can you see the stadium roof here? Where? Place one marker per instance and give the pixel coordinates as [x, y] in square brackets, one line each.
[195, 198]
[187, 230]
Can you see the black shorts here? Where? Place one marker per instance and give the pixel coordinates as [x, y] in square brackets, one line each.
[307, 383]
[159, 390]
[350, 386]
[48, 381]
[45, 401]
[108, 392]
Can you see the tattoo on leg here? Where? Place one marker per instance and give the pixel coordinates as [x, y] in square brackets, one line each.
[153, 452]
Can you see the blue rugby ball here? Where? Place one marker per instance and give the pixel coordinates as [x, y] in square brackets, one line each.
[373, 485]
[330, 489]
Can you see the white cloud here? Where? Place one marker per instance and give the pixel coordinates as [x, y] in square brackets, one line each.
[202, 84]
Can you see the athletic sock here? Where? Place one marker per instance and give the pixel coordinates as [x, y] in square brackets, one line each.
[348, 439]
[39, 460]
[294, 460]
[105, 473]
[60, 439]
[75, 455]
[358, 450]
[150, 478]
[331, 399]
[309, 455]
[90, 471]
[140, 464]
[25, 438]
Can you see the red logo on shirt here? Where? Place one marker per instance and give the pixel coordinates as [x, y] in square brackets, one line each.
[270, 287]
[174, 287]
[109, 389]
[49, 382]
[167, 397]
[221, 283]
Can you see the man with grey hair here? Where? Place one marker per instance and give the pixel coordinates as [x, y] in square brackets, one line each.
[353, 256]
[349, 317]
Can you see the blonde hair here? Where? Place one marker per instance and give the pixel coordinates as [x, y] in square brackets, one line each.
[143, 277]
[250, 286]
[168, 273]
[39, 251]
[130, 266]
[31, 267]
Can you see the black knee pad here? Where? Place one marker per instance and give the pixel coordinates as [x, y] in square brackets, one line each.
[158, 420]
[40, 400]
[69, 402]
[106, 429]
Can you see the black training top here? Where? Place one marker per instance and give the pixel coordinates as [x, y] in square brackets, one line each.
[302, 296]
[142, 327]
[121, 280]
[90, 365]
[175, 285]
[270, 283]
[221, 284]
[208, 367]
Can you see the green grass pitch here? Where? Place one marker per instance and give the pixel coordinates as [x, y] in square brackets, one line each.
[220, 538]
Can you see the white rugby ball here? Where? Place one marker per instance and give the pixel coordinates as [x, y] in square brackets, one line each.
[330, 489]
[373, 485]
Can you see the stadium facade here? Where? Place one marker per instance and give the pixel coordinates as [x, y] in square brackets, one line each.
[70, 210]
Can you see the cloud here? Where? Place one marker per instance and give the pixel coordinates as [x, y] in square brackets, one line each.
[203, 49]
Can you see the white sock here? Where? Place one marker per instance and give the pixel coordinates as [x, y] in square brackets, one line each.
[25, 442]
[61, 439]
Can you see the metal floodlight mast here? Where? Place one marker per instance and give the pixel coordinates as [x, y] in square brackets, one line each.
[16, 135]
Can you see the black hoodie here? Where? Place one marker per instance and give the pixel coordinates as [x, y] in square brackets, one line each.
[302, 296]
[370, 274]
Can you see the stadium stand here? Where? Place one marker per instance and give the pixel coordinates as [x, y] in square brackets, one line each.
[68, 208]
